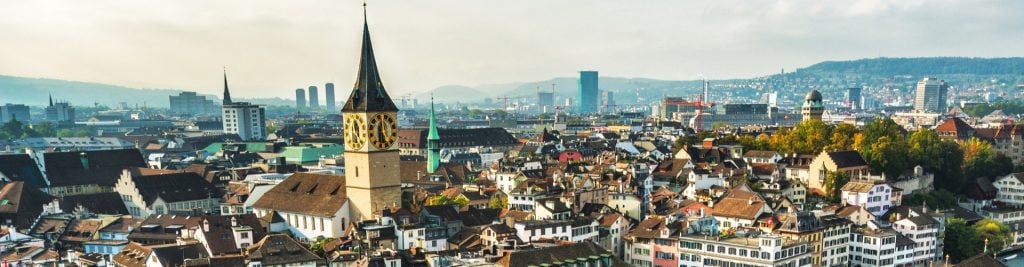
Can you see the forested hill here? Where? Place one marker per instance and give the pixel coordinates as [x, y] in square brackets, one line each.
[921, 66]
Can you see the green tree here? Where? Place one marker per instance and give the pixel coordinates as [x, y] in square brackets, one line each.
[938, 199]
[842, 137]
[887, 155]
[807, 137]
[45, 129]
[318, 246]
[997, 233]
[498, 201]
[65, 133]
[922, 147]
[83, 133]
[981, 159]
[961, 242]
[834, 182]
[876, 129]
[13, 128]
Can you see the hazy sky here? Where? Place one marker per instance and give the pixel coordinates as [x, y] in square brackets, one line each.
[271, 47]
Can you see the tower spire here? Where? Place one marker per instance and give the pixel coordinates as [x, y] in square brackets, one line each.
[227, 94]
[368, 94]
[434, 153]
[51, 99]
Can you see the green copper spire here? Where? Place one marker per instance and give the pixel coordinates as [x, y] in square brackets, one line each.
[434, 152]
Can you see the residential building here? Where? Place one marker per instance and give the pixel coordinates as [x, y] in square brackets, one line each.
[741, 208]
[803, 226]
[583, 254]
[835, 240]
[849, 162]
[930, 95]
[228, 235]
[764, 250]
[873, 246]
[167, 193]
[532, 230]
[280, 250]
[314, 98]
[329, 101]
[300, 99]
[875, 196]
[923, 230]
[1006, 139]
[1010, 189]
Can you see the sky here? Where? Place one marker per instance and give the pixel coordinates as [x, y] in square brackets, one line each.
[271, 47]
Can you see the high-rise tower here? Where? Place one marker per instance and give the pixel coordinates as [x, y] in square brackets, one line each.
[314, 99]
[586, 97]
[242, 118]
[371, 131]
[813, 107]
[931, 95]
[300, 98]
[329, 98]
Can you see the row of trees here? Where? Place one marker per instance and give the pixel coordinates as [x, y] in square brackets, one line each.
[891, 150]
[14, 129]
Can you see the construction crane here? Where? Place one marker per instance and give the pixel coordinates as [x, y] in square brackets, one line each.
[506, 99]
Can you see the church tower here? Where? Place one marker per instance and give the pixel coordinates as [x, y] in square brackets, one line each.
[371, 131]
[433, 142]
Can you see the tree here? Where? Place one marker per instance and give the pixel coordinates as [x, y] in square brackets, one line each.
[318, 246]
[949, 174]
[498, 201]
[887, 155]
[842, 138]
[13, 128]
[981, 159]
[83, 133]
[961, 242]
[876, 129]
[65, 133]
[834, 182]
[997, 233]
[807, 137]
[922, 147]
[938, 199]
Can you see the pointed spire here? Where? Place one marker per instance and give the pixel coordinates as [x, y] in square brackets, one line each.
[434, 152]
[227, 94]
[368, 94]
[51, 99]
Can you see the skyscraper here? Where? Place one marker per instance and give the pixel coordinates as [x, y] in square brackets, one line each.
[853, 98]
[931, 95]
[607, 101]
[314, 98]
[329, 94]
[192, 104]
[300, 98]
[246, 120]
[586, 97]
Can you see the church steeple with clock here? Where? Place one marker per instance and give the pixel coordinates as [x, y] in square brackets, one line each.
[370, 132]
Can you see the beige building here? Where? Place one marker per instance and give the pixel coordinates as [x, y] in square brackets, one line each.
[845, 161]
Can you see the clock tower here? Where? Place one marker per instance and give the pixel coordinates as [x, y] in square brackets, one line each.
[370, 132]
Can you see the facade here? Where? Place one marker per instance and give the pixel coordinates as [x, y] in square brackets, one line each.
[248, 121]
[314, 98]
[17, 112]
[607, 101]
[312, 205]
[931, 95]
[766, 250]
[329, 98]
[586, 95]
[1010, 189]
[924, 232]
[300, 98]
[813, 106]
[835, 240]
[872, 246]
[849, 162]
[170, 193]
[190, 103]
[1006, 139]
[876, 197]
[545, 102]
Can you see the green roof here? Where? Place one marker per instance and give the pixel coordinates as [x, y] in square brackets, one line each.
[213, 148]
[311, 152]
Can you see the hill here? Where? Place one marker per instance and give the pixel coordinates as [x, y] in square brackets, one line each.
[935, 66]
[35, 91]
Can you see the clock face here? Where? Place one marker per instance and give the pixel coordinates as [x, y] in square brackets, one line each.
[355, 132]
[383, 131]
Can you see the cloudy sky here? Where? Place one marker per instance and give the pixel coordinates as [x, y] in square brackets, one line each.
[271, 47]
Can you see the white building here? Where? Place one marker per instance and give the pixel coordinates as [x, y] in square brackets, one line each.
[313, 205]
[766, 250]
[924, 231]
[248, 121]
[1010, 189]
[872, 246]
[875, 197]
[835, 240]
[531, 230]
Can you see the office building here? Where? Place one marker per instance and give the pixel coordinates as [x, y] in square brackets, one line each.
[246, 120]
[314, 99]
[931, 95]
[586, 97]
[545, 102]
[853, 99]
[60, 112]
[17, 112]
[300, 98]
[329, 94]
[189, 103]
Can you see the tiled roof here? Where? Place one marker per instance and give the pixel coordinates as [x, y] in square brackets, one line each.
[133, 255]
[21, 167]
[306, 193]
[21, 203]
[536, 257]
[100, 203]
[846, 159]
[173, 187]
[221, 239]
[279, 249]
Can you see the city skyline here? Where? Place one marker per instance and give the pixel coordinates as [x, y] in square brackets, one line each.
[272, 48]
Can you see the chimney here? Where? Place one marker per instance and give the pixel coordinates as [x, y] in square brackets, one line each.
[234, 222]
[206, 225]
